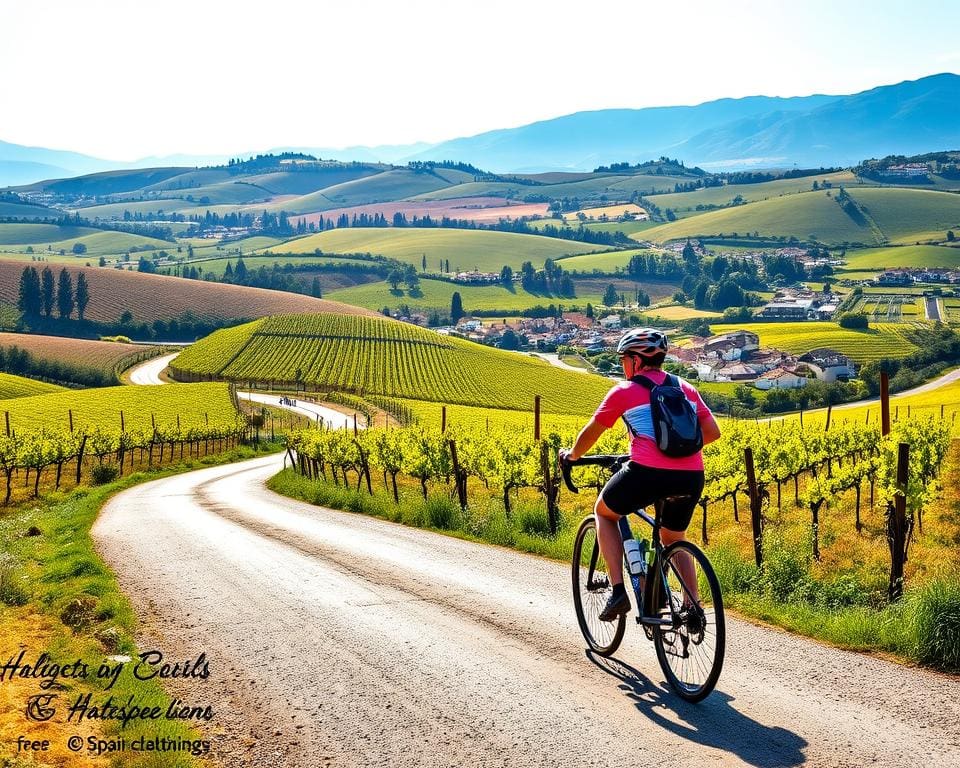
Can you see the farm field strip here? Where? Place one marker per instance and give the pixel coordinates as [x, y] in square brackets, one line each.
[196, 405]
[107, 356]
[17, 386]
[881, 340]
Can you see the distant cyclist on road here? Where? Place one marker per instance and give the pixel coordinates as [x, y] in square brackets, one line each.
[650, 475]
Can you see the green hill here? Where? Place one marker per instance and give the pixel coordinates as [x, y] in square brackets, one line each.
[43, 237]
[883, 214]
[12, 210]
[604, 262]
[908, 215]
[466, 249]
[390, 185]
[904, 256]
[374, 355]
[437, 295]
[33, 234]
[685, 203]
[810, 216]
[17, 386]
[592, 186]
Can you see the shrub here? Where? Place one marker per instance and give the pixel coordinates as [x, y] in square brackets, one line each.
[532, 519]
[79, 612]
[735, 574]
[104, 473]
[936, 611]
[855, 320]
[786, 571]
[441, 512]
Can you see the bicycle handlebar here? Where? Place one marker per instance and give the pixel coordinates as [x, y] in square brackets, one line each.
[611, 461]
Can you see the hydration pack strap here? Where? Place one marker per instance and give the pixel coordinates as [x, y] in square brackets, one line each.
[643, 381]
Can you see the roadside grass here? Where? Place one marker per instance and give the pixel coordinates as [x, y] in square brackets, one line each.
[57, 596]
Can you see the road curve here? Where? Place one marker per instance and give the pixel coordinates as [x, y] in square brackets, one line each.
[148, 372]
[317, 413]
[338, 639]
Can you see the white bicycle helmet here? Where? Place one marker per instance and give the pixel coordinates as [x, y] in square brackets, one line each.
[645, 342]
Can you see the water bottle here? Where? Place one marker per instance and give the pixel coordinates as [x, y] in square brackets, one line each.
[636, 556]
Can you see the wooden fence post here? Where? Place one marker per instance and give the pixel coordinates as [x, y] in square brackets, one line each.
[829, 411]
[897, 525]
[70, 417]
[6, 416]
[443, 419]
[884, 403]
[459, 476]
[550, 486]
[122, 426]
[536, 417]
[83, 444]
[756, 506]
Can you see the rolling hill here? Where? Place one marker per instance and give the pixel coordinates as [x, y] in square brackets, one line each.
[466, 249]
[375, 355]
[157, 297]
[887, 214]
[807, 216]
[17, 386]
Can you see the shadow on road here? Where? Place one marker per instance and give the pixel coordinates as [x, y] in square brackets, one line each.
[712, 722]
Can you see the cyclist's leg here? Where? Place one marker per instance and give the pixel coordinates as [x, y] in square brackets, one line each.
[684, 563]
[611, 545]
[675, 518]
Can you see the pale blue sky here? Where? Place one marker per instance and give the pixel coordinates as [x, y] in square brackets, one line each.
[123, 80]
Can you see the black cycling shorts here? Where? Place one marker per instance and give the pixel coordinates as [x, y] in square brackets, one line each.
[634, 486]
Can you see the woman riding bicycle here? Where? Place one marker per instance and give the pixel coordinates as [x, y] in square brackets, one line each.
[650, 475]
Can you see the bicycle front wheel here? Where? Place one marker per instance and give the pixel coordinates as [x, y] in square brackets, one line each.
[690, 649]
[591, 588]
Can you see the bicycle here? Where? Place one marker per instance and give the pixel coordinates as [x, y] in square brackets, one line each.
[687, 625]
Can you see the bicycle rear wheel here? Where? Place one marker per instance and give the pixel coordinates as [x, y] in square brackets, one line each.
[591, 588]
[690, 650]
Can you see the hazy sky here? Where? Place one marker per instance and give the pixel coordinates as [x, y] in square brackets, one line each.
[123, 80]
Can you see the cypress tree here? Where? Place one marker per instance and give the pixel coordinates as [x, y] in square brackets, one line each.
[456, 307]
[83, 295]
[28, 301]
[65, 294]
[47, 291]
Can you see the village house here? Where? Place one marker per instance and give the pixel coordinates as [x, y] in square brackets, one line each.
[780, 378]
[829, 365]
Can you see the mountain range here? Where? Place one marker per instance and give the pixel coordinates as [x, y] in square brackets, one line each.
[910, 117]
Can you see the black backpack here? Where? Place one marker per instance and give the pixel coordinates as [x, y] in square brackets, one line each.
[676, 426]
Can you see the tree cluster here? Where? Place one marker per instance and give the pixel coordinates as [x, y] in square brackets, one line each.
[37, 295]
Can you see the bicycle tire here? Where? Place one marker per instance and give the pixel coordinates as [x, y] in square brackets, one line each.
[667, 640]
[603, 637]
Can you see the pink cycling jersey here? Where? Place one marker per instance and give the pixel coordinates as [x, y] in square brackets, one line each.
[632, 402]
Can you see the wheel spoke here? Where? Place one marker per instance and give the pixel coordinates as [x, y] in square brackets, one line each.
[691, 651]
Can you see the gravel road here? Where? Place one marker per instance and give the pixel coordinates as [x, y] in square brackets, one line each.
[337, 639]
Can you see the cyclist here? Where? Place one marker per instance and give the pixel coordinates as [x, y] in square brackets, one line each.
[649, 475]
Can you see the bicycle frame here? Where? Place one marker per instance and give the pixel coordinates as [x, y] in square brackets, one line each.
[657, 571]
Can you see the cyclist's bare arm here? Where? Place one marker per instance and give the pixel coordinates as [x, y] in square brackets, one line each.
[586, 439]
[710, 429]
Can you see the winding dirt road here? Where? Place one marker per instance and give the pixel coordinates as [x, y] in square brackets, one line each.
[338, 639]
